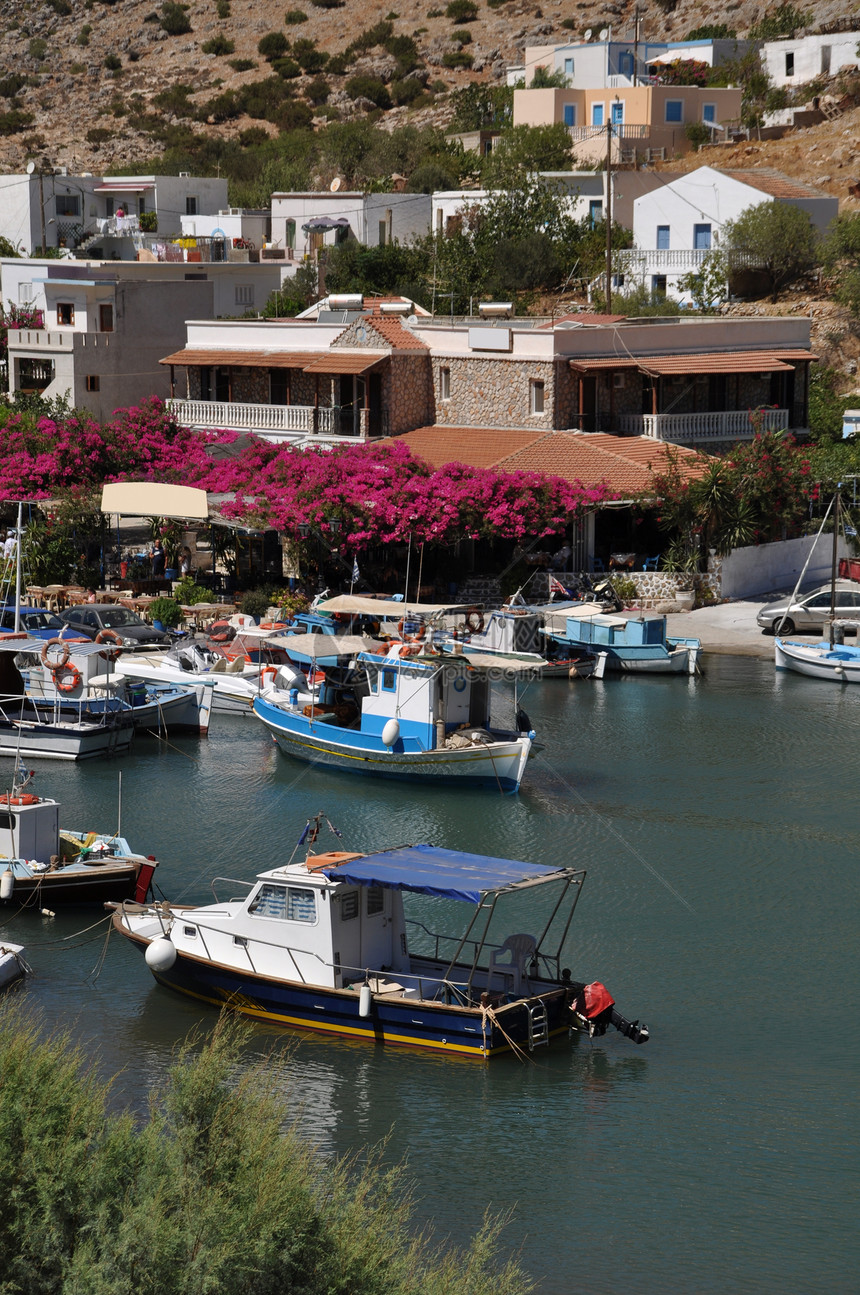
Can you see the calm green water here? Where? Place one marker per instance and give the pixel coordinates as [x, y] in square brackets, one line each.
[717, 820]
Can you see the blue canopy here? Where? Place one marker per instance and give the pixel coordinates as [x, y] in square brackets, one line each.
[429, 870]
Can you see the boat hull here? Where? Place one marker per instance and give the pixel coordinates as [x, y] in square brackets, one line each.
[818, 661]
[59, 742]
[413, 1023]
[500, 764]
[646, 661]
[12, 964]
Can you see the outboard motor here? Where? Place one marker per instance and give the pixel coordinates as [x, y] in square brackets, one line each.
[522, 721]
[604, 593]
[594, 1009]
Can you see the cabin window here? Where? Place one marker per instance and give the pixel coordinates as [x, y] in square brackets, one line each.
[241, 941]
[65, 313]
[7, 821]
[284, 903]
[389, 680]
[375, 900]
[662, 238]
[570, 114]
[190, 931]
[349, 906]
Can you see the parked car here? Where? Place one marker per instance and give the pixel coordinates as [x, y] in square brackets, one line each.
[38, 622]
[811, 611]
[90, 619]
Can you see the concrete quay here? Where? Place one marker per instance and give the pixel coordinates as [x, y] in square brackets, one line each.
[731, 628]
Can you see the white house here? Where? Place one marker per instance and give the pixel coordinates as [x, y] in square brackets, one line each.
[792, 62]
[676, 225]
[104, 333]
[613, 64]
[302, 223]
[101, 215]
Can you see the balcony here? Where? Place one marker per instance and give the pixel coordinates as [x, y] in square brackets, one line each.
[281, 422]
[693, 429]
[634, 260]
[620, 130]
[41, 339]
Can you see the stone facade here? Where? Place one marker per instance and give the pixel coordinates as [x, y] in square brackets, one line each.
[493, 393]
[407, 393]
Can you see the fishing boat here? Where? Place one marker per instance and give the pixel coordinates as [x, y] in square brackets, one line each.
[233, 684]
[356, 944]
[515, 631]
[43, 866]
[831, 658]
[13, 965]
[411, 711]
[82, 674]
[634, 643]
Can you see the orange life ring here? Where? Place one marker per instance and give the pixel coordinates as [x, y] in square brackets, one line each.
[474, 620]
[411, 638]
[109, 636]
[71, 677]
[46, 654]
[274, 625]
[26, 799]
[410, 649]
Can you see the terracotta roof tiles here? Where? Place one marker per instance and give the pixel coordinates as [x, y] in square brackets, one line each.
[391, 330]
[769, 180]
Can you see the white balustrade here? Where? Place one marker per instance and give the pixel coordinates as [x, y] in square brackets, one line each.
[304, 420]
[735, 423]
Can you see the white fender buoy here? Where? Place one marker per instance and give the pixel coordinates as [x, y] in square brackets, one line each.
[7, 884]
[160, 954]
[365, 998]
[391, 732]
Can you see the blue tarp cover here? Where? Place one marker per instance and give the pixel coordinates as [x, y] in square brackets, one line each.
[429, 870]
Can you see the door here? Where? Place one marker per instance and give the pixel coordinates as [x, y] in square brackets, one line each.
[374, 395]
[617, 117]
[702, 238]
[717, 393]
[589, 404]
[224, 385]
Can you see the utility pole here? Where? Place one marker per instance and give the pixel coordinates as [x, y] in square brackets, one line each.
[636, 21]
[609, 214]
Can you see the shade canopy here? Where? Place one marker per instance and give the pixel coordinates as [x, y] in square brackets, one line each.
[386, 608]
[448, 874]
[326, 222]
[315, 646]
[154, 499]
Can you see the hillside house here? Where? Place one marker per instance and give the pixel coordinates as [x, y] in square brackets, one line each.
[679, 223]
[613, 64]
[805, 58]
[303, 223]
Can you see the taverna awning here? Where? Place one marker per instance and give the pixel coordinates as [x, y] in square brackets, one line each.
[431, 870]
[154, 499]
[703, 362]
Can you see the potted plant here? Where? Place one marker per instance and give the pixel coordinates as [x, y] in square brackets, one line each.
[254, 603]
[165, 613]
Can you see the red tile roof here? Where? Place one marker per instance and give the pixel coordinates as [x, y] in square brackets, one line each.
[623, 462]
[391, 330]
[769, 180]
[703, 362]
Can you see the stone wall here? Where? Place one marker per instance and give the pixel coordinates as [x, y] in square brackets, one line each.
[407, 393]
[493, 393]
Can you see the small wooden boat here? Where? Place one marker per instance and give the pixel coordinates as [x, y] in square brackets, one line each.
[357, 944]
[633, 643]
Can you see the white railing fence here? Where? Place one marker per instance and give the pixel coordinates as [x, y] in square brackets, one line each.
[736, 423]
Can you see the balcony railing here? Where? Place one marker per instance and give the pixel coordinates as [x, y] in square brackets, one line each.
[634, 259]
[736, 424]
[294, 420]
[620, 130]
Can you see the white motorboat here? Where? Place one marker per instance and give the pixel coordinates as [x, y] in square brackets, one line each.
[232, 685]
[13, 965]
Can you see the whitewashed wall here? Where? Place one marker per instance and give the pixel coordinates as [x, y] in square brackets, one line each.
[771, 567]
[811, 57]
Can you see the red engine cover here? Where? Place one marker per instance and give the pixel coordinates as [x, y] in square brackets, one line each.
[597, 999]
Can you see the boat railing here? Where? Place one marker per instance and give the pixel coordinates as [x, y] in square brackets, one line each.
[474, 948]
[231, 881]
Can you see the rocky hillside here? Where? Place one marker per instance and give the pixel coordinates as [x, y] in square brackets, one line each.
[86, 72]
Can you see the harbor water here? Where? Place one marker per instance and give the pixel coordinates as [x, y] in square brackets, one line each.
[716, 818]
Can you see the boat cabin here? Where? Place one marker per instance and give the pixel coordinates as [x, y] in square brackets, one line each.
[428, 697]
[510, 630]
[29, 827]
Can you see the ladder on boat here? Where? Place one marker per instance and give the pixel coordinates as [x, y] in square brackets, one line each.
[538, 1024]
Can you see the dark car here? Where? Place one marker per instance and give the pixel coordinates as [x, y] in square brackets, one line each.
[38, 622]
[90, 619]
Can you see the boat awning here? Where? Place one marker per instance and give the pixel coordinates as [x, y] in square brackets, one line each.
[154, 499]
[503, 661]
[706, 362]
[386, 608]
[326, 222]
[315, 646]
[24, 643]
[448, 874]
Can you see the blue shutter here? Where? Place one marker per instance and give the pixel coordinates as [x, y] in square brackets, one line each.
[662, 238]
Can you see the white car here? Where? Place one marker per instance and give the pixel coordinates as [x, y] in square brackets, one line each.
[812, 610]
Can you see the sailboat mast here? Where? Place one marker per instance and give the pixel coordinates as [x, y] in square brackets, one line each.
[833, 567]
[18, 569]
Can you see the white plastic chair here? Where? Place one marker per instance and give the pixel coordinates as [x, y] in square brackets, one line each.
[509, 961]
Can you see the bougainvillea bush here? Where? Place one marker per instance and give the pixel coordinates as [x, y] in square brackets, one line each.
[378, 493]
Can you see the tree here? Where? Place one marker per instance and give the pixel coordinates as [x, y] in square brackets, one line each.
[526, 149]
[482, 107]
[708, 286]
[774, 238]
[543, 79]
[205, 1192]
[840, 255]
[785, 21]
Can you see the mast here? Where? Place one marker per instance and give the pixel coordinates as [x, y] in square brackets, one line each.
[833, 564]
[18, 570]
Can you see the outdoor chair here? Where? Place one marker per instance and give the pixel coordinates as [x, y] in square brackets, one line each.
[651, 564]
[509, 961]
[597, 564]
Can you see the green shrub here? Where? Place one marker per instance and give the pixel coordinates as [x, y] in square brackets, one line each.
[458, 58]
[61, 7]
[462, 37]
[165, 610]
[189, 593]
[318, 91]
[294, 17]
[99, 135]
[241, 64]
[711, 31]
[253, 136]
[255, 602]
[338, 65]
[462, 10]
[175, 100]
[369, 87]
[83, 36]
[222, 8]
[286, 68]
[698, 134]
[218, 45]
[148, 221]
[222, 108]
[305, 53]
[75, 69]
[112, 62]
[569, 24]
[10, 85]
[174, 20]
[328, 4]
[406, 91]
[37, 48]
[293, 115]
[273, 45]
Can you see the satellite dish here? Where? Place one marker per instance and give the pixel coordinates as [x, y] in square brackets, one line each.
[588, 34]
[31, 166]
[604, 34]
[411, 321]
[335, 184]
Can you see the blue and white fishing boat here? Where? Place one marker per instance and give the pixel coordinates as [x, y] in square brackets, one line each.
[517, 631]
[357, 944]
[416, 712]
[635, 643]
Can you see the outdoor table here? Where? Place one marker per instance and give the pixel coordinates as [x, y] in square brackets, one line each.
[622, 561]
[34, 595]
